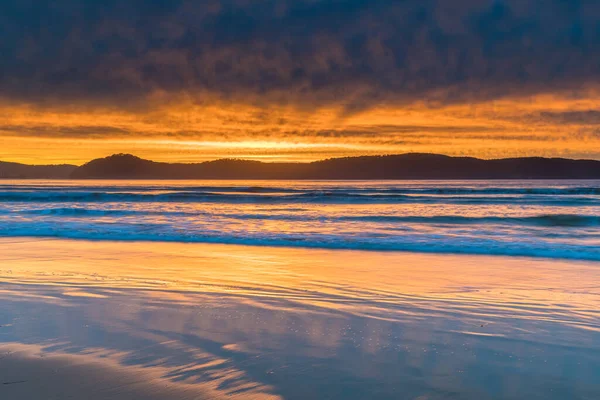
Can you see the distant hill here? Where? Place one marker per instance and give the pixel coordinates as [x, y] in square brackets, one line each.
[404, 166]
[9, 170]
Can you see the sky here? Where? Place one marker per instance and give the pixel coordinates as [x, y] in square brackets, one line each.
[298, 80]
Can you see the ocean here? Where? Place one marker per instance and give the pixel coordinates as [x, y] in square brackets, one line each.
[550, 219]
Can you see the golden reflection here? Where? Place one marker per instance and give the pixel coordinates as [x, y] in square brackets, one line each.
[353, 281]
[259, 322]
[98, 374]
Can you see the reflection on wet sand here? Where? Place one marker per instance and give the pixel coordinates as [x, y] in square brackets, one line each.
[209, 321]
[32, 372]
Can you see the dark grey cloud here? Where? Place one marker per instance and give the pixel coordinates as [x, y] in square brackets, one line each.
[586, 117]
[406, 130]
[303, 52]
[88, 131]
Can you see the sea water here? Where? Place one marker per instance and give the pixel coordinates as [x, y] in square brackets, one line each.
[552, 219]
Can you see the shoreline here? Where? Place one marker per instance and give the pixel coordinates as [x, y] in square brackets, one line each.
[170, 320]
[288, 244]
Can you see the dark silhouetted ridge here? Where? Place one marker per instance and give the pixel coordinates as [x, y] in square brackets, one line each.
[10, 170]
[122, 166]
[403, 166]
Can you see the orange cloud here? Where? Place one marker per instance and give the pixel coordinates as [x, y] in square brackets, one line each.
[545, 125]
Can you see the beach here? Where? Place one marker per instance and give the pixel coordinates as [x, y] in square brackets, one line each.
[116, 319]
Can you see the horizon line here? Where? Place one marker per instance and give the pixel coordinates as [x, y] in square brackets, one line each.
[303, 162]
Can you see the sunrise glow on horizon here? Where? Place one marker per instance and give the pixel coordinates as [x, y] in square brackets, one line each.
[533, 126]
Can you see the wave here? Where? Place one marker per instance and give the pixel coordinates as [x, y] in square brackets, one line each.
[551, 220]
[571, 191]
[547, 220]
[423, 243]
[148, 189]
[84, 212]
[339, 197]
[338, 190]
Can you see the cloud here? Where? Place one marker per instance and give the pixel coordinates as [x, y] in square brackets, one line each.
[586, 117]
[289, 132]
[88, 131]
[374, 131]
[306, 53]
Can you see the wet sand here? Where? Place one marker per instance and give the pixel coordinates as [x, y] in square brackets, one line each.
[110, 320]
[29, 372]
